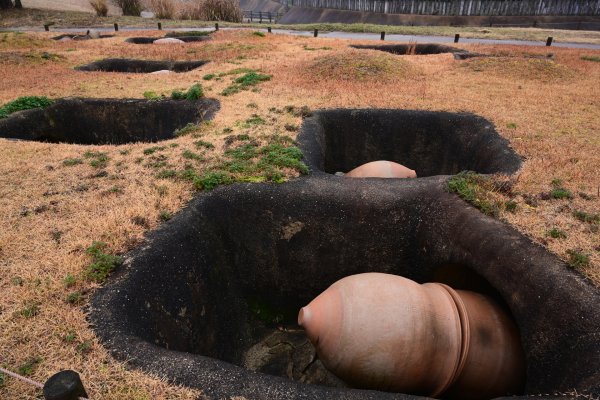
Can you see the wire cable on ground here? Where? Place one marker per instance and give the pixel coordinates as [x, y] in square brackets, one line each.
[27, 380]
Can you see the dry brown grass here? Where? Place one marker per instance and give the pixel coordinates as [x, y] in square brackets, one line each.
[522, 68]
[222, 10]
[162, 8]
[129, 7]
[100, 7]
[51, 213]
[197, 10]
[192, 10]
[357, 65]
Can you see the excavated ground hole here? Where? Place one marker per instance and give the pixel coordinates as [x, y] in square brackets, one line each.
[243, 259]
[212, 297]
[106, 121]
[419, 49]
[140, 66]
[429, 142]
[79, 37]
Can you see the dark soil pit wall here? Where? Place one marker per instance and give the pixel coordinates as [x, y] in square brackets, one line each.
[243, 259]
[79, 37]
[106, 121]
[431, 143]
[150, 40]
[140, 66]
[419, 49]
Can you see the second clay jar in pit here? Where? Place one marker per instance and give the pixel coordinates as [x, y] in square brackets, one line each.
[386, 332]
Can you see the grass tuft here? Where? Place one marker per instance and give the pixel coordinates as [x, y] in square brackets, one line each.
[102, 263]
[74, 298]
[481, 191]
[250, 162]
[27, 368]
[165, 215]
[559, 191]
[587, 217]
[189, 128]
[153, 149]
[212, 179]
[303, 111]
[245, 82]
[69, 162]
[150, 95]
[204, 144]
[195, 92]
[30, 310]
[578, 259]
[24, 103]
[591, 58]
[190, 155]
[556, 233]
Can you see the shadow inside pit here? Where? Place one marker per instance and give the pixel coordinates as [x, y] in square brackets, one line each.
[419, 49]
[140, 66]
[150, 40]
[106, 121]
[431, 143]
[66, 37]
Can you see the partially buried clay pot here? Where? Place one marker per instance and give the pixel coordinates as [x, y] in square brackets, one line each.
[381, 169]
[168, 41]
[385, 332]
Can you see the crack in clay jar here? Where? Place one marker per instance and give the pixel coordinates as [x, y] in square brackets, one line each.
[206, 302]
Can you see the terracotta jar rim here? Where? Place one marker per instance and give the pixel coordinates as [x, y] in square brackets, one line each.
[465, 332]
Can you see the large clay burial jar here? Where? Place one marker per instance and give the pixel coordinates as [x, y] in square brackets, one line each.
[381, 169]
[386, 332]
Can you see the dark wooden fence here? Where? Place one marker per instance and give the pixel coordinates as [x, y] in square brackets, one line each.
[459, 7]
[261, 16]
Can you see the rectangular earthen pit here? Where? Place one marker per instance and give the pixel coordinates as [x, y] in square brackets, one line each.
[429, 142]
[106, 121]
[139, 66]
[419, 49]
[212, 292]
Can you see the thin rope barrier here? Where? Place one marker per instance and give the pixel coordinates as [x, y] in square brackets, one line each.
[27, 380]
[24, 379]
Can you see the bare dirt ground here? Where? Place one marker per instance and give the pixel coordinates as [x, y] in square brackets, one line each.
[52, 209]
